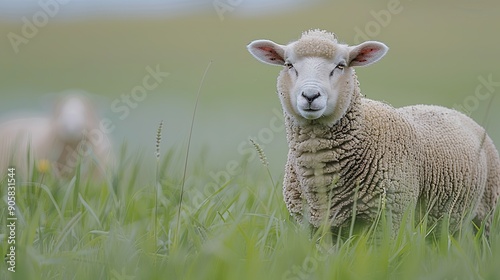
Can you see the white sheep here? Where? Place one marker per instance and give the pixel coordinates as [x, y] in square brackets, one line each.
[71, 133]
[347, 151]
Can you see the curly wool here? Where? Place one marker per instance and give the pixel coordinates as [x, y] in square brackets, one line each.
[350, 156]
[316, 43]
[417, 155]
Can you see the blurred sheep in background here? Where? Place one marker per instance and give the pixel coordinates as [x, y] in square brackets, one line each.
[56, 143]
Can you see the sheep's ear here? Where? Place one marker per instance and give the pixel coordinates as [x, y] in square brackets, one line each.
[366, 53]
[267, 51]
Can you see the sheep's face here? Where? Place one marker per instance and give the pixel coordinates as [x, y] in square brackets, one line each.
[71, 118]
[317, 79]
[314, 85]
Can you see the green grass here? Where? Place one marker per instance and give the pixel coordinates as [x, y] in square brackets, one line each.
[75, 229]
[135, 226]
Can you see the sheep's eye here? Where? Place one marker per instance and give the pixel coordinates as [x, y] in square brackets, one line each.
[339, 66]
[290, 67]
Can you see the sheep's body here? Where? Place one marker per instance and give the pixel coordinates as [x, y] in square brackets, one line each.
[59, 140]
[373, 155]
[397, 157]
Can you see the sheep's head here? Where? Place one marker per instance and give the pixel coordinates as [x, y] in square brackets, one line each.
[72, 116]
[317, 80]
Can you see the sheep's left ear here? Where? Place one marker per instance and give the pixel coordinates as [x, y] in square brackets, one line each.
[366, 53]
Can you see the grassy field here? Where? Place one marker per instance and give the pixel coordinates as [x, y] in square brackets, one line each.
[160, 228]
[223, 217]
[437, 52]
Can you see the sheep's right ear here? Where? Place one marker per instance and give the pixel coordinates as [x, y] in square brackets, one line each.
[267, 51]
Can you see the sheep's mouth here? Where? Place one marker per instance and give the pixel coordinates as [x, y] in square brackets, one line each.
[312, 107]
[311, 113]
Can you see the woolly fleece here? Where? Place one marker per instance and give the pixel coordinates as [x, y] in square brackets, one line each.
[428, 159]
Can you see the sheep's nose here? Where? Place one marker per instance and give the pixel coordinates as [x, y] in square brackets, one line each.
[311, 95]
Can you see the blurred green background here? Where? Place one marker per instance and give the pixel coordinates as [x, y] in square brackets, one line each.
[438, 51]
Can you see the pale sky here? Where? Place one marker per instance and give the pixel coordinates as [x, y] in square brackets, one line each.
[14, 9]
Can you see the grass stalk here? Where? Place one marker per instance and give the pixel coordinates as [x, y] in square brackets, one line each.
[183, 182]
[354, 211]
[263, 159]
[157, 182]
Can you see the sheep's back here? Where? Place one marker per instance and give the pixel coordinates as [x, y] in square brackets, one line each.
[453, 169]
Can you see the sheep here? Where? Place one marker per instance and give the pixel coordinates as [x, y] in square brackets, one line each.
[349, 155]
[58, 141]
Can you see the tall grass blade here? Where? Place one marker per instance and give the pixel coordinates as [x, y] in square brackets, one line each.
[66, 230]
[177, 228]
[89, 209]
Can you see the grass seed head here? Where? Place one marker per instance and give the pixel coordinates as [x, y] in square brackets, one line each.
[158, 139]
[260, 151]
